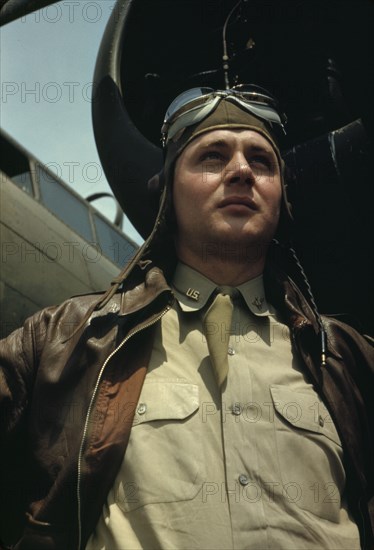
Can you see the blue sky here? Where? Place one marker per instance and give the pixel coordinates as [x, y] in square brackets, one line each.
[47, 65]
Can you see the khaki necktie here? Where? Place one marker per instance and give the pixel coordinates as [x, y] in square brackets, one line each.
[217, 324]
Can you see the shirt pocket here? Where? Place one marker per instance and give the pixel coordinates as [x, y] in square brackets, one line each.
[309, 452]
[162, 463]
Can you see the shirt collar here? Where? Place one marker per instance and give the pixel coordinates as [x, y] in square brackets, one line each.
[253, 292]
[193, 290]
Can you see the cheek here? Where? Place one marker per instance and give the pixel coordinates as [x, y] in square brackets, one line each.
[183, 201]
[177, 201]
[277, 199]
[273, 195]
[189, 193]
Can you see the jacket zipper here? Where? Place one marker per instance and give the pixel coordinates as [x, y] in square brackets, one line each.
[79, 477]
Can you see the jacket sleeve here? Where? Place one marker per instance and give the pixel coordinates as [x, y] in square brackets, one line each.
[357, 354]
[19, 354]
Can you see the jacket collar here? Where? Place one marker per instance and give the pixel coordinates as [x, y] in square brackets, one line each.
[286, 296]
[153, 288]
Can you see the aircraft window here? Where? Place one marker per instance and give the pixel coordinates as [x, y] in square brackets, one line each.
[64, 204]
[24, 182]
[113, 245]
[16, 165]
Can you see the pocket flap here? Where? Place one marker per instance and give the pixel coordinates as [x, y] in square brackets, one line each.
[166, 401]
[303, 410]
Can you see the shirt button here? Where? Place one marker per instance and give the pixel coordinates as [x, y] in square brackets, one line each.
[231, 351]
[142, 407]
[236, 409]
[243, 479]
[321, 422]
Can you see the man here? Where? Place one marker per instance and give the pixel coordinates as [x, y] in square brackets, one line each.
[196, 404]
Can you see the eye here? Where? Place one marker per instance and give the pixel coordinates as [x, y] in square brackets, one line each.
[262, 160]
[211, 155]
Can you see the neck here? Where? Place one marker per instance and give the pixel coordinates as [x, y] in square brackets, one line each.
[229, 266]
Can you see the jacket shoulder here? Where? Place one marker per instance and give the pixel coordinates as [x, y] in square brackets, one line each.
[341, 332]
[350, 347]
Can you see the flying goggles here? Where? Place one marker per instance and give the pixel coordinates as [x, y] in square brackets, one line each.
[194, 105]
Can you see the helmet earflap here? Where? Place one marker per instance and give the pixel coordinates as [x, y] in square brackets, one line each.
[155, 187]
[156, 184]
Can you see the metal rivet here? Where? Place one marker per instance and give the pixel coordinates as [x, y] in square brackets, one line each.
[231, 351]
[142, 407]
[321, 422]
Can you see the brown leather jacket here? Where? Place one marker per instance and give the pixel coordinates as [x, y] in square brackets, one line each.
[74, 391]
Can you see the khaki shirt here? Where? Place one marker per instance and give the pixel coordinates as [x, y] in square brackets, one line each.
[256, 464]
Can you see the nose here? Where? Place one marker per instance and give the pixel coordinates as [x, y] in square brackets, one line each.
[238, 171]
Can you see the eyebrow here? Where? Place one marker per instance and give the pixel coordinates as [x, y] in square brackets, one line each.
[215, 143]
[222, 143]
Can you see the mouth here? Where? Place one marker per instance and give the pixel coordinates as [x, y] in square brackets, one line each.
[245, 202]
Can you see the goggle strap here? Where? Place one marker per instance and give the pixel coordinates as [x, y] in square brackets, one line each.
[261, 111]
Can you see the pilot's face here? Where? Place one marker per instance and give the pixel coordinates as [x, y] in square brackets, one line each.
[227, 190]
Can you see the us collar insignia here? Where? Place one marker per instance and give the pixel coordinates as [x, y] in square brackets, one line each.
[193, 294]
[258, 302]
